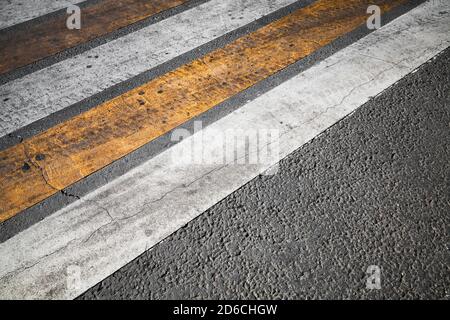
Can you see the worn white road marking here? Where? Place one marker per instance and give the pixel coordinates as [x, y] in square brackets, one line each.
[54, 88]
[17, 11]
[113, 225]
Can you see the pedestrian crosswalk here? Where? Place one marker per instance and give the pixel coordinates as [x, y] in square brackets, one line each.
[95, 138]
[100, 232]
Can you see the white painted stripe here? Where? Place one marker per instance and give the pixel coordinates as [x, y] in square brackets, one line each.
[17, 11]
[108, 228]
[54, 88]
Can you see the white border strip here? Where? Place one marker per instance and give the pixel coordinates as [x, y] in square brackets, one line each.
[13, 12]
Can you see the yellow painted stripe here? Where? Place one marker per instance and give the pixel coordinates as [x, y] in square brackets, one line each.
[47, 38]
[64, 154]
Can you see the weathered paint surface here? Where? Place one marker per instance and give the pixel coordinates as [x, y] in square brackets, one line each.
[64, 154]
[52, 36]
[17, 11]
[59, 86]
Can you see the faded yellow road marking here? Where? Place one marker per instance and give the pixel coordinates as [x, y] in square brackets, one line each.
[42, 40]
[44, 164]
